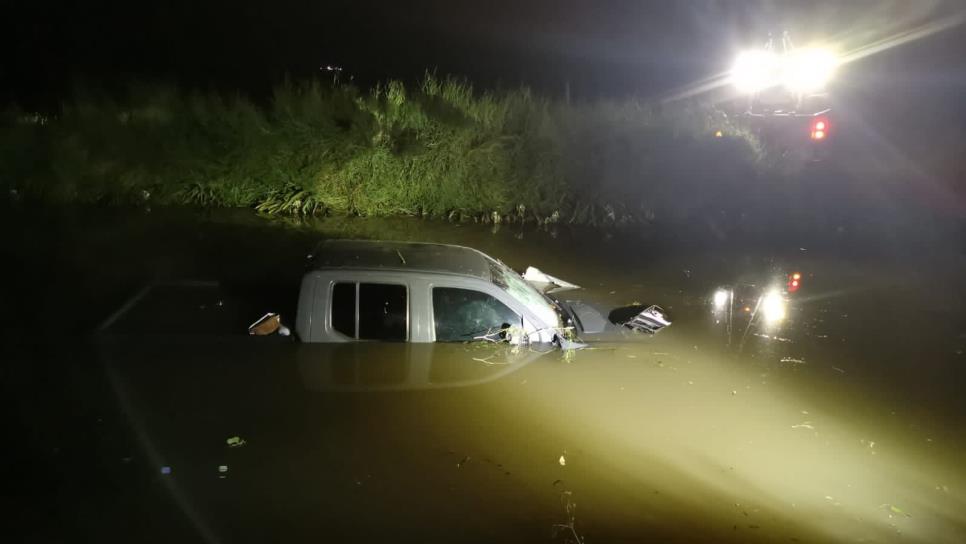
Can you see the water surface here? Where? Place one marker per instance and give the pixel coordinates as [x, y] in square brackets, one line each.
[843, 425]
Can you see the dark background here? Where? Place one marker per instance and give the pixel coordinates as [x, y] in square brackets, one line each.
[602, 49]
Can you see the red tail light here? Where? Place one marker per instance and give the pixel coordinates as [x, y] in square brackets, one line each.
[819, 128]
[794, 282]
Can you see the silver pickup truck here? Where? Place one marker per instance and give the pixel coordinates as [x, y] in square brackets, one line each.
[419, 292]
[358, 290]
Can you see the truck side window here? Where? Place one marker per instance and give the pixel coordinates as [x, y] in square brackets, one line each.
[344, 308]
[383, 312]
[462, 314]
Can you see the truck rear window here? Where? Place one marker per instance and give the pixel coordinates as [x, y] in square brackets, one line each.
[370, 311]
[344, 308]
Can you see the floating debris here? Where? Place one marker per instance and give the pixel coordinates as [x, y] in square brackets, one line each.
[769, 337]
[269, 323]
[222, 468]
[562, 461]
[488, 361]
[893, 509]
[165, 470]
[235, 442]
[793, 360]
[568, 528]
[837, 369]
[804, 425]
[463, 461]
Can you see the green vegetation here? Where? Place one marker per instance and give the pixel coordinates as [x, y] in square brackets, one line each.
[438, 149]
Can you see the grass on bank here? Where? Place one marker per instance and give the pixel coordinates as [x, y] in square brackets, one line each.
[438, 149]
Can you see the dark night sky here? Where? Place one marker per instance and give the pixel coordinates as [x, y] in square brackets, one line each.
[606, 48]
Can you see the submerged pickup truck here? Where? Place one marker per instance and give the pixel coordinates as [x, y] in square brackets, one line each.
[356, 290]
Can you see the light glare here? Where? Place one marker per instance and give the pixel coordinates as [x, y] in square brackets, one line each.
[754, 71]
[720, 299]
[808, 70]
[773, 307]
[802, 71]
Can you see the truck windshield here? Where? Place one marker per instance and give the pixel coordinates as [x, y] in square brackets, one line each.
[511, 282]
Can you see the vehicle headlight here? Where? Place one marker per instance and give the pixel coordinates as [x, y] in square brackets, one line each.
[801, 71]
[808, 70]
[754, 71]
[773, 307]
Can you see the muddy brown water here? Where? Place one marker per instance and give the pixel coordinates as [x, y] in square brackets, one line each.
[843, 425]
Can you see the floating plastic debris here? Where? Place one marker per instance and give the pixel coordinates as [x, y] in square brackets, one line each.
[266, 325]
[165, 470]
[893, 509]
[562, 461]
[235, 442]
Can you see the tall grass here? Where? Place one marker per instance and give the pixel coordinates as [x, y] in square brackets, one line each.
[438, 148]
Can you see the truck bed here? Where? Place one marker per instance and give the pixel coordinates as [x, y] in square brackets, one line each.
[192, 307]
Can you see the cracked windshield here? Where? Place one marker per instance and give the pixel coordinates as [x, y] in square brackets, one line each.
[547, 272]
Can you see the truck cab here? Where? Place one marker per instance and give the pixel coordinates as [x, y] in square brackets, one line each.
[417, 292]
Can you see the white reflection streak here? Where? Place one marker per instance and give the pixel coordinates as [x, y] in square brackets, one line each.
[903, 38]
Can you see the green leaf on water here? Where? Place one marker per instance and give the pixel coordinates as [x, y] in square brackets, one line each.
[896, 510]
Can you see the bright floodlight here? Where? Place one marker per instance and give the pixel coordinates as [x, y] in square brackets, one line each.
[754, 71]
[808, 70]
[773, 307]
[720, 299]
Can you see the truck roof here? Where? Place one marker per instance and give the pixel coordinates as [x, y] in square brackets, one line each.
[402, 256]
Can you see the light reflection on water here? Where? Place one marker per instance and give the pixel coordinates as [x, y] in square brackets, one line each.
[800, 436]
